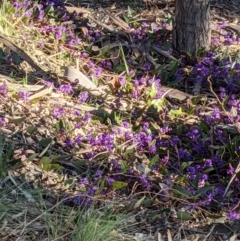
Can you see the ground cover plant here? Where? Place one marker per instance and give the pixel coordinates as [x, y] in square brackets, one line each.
[107, 132]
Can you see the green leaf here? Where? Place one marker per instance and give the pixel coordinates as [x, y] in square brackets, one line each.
[195, 181]
[124, 165]
[152, 93]
[130, 149]
[16, 58]
[180, 190]
[68, 182]
[32, 157]
[214, 216]
[153, 161]
[124, 59]
[159, 104]
[59, 126]
[179, 129]
[80, 163]
[45, 163]
[148, 202]
[2, 56]
[196, 99]
[221, 220]
[18, 120]
[118, 185]
[185, 216]
[130, 12]
[119, 68]
[208, 170]
[138, 203]
[173, 65]
[234, 112]
[204, 127]
[56, 166]
[203, 190]
[185, 165]
[177, 112]
[31, 129]
[46, 142]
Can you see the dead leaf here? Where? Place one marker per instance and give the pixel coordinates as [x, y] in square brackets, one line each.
[72, 74]
[84, 30]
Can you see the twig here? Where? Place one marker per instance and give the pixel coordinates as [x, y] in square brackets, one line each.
[210, 232]
[232, 178]
[92, 110]
[163, 52]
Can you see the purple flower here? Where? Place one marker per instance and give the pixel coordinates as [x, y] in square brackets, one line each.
[110, 181]
[28, 13]
[165, 160]
[91, 64]
[48, 83]
[184, 155]
[135, 83]
[143, 81]
[146, 185]
[107, 141]
[117, 167]
[24, 95]
[126, 124]
[145, 125]
[208, 163]
[193, 134]
[4, 90]
[164, 130]
[222, 25]
[78, 139]
[68, 142]
[165, 25]
[83, 97]
[83, 182]
[58, 112]
[135, 94]
[78, 125]
[98, 72]
[85, 55]
[2, 122]
[122, 80]
[152, 149]
[98, 173]
[66, 89]
[174, 141]
[86, 117]
[128, 135]
[145, 25]
[233, 215]
[230, 171]
[76, 112]
[147, 66]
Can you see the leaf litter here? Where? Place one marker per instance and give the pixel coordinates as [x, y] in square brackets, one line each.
[59, 134]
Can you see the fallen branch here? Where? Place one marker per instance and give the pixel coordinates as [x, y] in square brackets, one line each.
[20, 52]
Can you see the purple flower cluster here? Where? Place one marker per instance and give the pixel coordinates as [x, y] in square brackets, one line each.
[4, 90]
[103, 141]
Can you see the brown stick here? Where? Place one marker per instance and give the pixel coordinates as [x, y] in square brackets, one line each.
[20, 52]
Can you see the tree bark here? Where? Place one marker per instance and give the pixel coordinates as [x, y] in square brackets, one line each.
[192, 26]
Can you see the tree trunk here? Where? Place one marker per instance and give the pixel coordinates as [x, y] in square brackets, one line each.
[192, 26]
